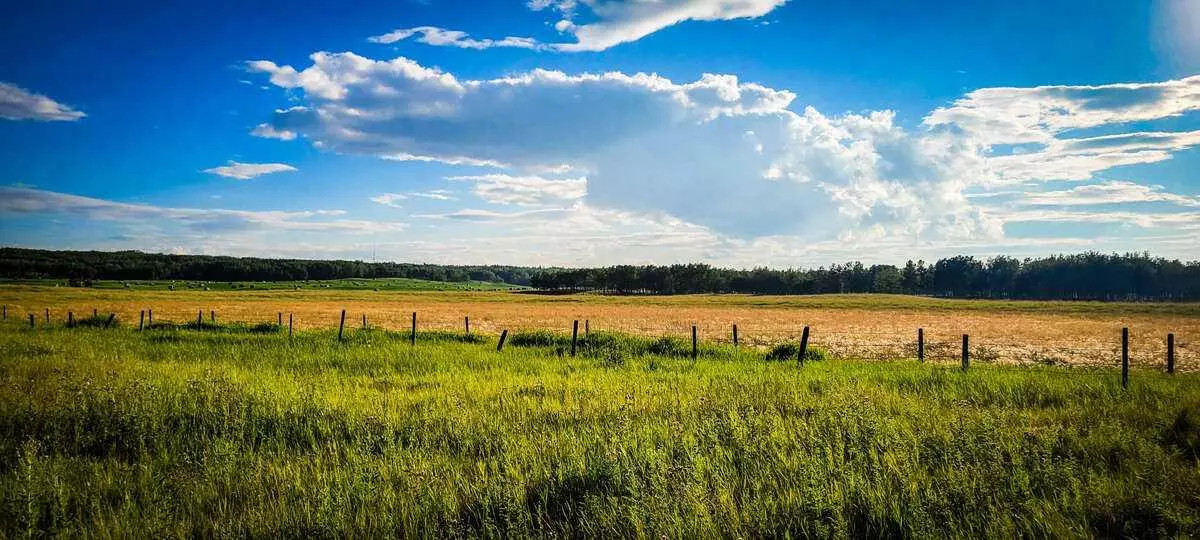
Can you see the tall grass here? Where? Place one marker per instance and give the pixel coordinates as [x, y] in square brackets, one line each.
[177, 432]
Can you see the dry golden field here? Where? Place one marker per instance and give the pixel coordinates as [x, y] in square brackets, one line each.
[867, 326]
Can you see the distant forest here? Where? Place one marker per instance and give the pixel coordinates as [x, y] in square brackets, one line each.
[1086, 276]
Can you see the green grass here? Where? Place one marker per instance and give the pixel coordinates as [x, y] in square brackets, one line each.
[228, 432]
[381, 284]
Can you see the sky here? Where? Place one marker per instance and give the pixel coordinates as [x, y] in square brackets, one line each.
[740, 133]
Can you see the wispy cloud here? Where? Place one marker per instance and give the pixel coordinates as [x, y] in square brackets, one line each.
[440, 37]
[16, 103]
[524, 190]
[246, 171]
[266, 131]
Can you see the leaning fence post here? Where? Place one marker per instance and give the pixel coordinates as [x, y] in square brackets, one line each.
[503, 336]
[921, 344]
[735, 340]
[803, 345]
[412, 338]
[289, 325]
[695, 344]
[1171, 353]
[1125, 357]
[574, 335]
[966, 352]
[342, 325]
[141, 320]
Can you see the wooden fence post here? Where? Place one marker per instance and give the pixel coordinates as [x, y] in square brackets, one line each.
[966, 352]
[342, 325]
[95, 313]
[467, 324]
[574, 335]
[695, 344]
[1125, 357]
[921, 344]
[503, 336]
[141, 320]
[279, 318]
[289, 325]
[212, 316]
[149, 316]
[803, 345]
[587, 327]
[6, 312]
[1171, 353]
[364, 321]
[735, 340]
[70, 320]
[412, 338]
[199, 319]
[31, 320]
[47, 315]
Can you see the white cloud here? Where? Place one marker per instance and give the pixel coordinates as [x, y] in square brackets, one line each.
[389, 199]
[1112, 192]
[440, 37]
[266, 131]
[246, 171]
[436, 194]
[23, 201]
[727, 155]
[614, 22]
[623, 21]
[524, 190]
[16, 103]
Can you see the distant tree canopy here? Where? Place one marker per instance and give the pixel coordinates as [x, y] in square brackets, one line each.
[1086, 276]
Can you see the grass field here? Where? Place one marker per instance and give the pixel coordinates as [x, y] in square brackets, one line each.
[849, 326]
[381, 284]
[229, 432]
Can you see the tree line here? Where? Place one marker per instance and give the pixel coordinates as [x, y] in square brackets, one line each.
[1085, 276]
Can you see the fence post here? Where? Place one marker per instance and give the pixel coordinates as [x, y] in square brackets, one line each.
[503, 336]
[1171, 353]
[70, 320]
[695, 344]
[212, 316]
[31, 325]
[966, 352]
[574, 335]
[803, 345]
[141, 320]
[47, 315]
[199, 319]
[1125, 357]
[6, 312]
[735, 340]
[364, 321]
[412, 339]
[467, 325]
[587, 327]
[342, 325]
[279, 318]
[95, 313]
[289, 325]
[149, 316]
[921, 344]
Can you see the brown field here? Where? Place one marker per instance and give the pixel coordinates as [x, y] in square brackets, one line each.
[866, 326]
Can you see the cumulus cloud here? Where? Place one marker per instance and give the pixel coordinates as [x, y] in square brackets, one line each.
[16, 103]
[441, 37]
[524, 190]
[246, 171]
[23, 201]
[731, 156]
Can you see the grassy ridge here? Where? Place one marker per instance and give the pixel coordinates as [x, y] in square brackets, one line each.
[179, 432]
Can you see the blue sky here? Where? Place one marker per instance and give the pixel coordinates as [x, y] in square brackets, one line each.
[551, 132]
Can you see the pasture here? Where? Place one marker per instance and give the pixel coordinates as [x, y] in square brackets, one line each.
[237, 430]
